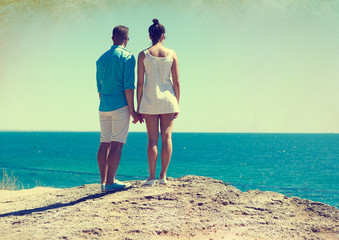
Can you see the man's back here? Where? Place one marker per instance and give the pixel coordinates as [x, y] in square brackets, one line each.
[115, 74]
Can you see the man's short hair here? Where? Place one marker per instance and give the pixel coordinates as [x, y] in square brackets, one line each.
[120, 34]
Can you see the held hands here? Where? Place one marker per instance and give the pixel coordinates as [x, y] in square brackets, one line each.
[137, 117]
[140, 118]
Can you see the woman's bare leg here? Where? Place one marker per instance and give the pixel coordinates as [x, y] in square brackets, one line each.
[152, 124]
[166, 124]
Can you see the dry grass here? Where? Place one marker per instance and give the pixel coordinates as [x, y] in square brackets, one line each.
[9, 182]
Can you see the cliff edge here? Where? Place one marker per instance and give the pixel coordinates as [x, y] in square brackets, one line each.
[189, 207]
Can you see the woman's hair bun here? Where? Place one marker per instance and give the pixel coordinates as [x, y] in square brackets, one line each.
[155, 21]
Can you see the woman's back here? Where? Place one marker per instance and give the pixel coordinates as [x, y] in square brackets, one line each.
[158, 66]
[158, 96]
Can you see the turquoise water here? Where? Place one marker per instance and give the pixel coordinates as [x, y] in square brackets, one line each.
[302, 165]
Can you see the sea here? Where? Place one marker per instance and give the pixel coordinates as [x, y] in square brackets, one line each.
[300, 165]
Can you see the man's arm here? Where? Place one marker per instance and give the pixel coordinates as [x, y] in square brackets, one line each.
[129, 93]
[98, 82]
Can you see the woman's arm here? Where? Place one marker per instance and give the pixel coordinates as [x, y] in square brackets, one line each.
[175, 76]
[141, 78]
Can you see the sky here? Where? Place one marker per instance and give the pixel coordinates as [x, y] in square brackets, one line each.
[244, 66]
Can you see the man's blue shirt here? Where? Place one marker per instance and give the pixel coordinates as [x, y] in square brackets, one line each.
[115, 74]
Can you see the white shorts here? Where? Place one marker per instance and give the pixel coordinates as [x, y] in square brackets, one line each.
[114, 125]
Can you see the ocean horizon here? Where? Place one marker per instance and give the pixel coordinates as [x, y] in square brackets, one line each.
[304, 165]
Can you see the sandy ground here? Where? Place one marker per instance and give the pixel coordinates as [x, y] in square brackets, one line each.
[190, 207]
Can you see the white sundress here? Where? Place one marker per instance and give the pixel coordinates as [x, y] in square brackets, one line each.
[158, 95]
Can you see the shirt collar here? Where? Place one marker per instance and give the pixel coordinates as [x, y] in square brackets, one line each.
[116, 46]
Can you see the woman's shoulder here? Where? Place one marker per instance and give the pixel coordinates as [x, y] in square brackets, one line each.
[172, 53]
[169, 50]
[142, 54]
[143, 51]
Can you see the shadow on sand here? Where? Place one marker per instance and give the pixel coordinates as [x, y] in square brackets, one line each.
[60, 205]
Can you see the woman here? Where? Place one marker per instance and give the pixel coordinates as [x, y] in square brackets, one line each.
[158, 98]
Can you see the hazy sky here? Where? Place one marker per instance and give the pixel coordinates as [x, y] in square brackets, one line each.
[245, 66]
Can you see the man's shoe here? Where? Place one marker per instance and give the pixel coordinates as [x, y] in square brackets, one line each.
[103, 189]
[119, 182]
[116, 186]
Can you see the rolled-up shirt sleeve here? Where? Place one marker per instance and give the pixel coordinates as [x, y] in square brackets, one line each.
[129, 75]
[98, 81]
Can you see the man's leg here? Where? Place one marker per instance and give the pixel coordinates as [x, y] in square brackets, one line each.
[106, 129]
[102, 160]
[120, 123]
[113, 160]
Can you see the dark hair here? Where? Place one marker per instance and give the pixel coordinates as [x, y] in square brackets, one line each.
[120, 34]
[155, 31]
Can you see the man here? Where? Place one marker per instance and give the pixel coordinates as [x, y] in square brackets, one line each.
[115, 84]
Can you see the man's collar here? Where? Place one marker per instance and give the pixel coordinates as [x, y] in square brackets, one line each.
[116, 46]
